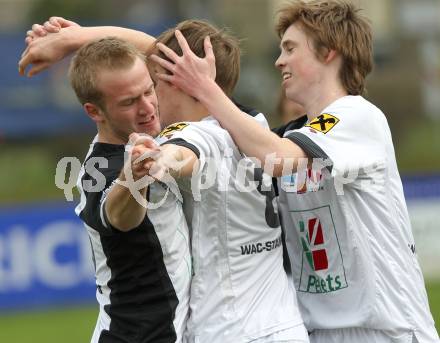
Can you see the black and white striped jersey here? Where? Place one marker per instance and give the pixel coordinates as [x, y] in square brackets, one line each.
[142, 275]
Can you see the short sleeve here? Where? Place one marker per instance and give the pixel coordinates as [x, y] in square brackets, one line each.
[347, 137]
[95, 184]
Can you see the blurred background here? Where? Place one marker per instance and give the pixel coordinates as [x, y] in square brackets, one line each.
[46, 276]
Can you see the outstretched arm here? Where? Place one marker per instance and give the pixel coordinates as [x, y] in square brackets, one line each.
[195, 76]
[126, 211]
[126, 203]
[173, 161]
[50, 44]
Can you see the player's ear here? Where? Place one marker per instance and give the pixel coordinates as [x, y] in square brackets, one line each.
[94, 112]
[330, 55]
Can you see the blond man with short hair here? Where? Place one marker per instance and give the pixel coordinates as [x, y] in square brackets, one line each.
[141, 257]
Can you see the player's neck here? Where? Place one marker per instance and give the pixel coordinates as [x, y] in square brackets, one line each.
[323, 98]
[106, 136]
[192, 111]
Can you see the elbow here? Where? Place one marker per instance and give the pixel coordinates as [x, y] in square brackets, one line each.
[123, 225]
[121, 222]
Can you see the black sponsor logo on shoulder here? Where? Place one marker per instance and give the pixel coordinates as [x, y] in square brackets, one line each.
[323, 123]
[169, 130]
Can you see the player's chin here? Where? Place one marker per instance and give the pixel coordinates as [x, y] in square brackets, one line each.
[291, 93]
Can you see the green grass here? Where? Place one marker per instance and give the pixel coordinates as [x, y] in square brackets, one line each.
[28, 170]
[433, 289]
[30, 176]
[70, 325]
[418, 149]
[75, 325]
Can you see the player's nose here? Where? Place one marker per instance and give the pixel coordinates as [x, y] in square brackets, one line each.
[146, 106]
[279, 63]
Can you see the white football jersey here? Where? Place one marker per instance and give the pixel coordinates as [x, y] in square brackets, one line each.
[347, 228]
[239, 291]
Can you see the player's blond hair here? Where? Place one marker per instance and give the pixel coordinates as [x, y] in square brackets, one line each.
[335, 25]
[226, 49]
[108, 53]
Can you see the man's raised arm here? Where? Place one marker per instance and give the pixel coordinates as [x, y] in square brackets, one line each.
[48, 44]
[196, 77]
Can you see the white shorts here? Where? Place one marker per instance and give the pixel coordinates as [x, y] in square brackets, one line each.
[359, 335]
[297, 334]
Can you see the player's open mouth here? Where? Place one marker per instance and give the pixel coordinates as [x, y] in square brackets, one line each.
[286, 76]
[147, 122]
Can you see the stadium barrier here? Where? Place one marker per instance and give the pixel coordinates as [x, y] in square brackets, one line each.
[45, 257]
[423, 199]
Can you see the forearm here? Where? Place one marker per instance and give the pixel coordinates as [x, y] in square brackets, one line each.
[251, 138]
[43, 52]
[78, 36]
[123, 210]
[177, 160]
[195, 76]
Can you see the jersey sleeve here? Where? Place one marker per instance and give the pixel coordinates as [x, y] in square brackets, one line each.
[347, 140]
[292, 125]
[94, 187]
[206, 139]
[256, 115]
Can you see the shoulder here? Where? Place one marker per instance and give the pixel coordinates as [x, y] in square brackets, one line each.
[101, 167]
[292, 125]
[105, 158]
[257, 115]
[204, 127]
[171, 130]
[350, 114]
[355, 108]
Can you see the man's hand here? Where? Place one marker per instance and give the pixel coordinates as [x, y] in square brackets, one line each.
[59, 37]
[46, 45]
[143, 153]
[188, 71]
[152, 161]
[52, 25]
